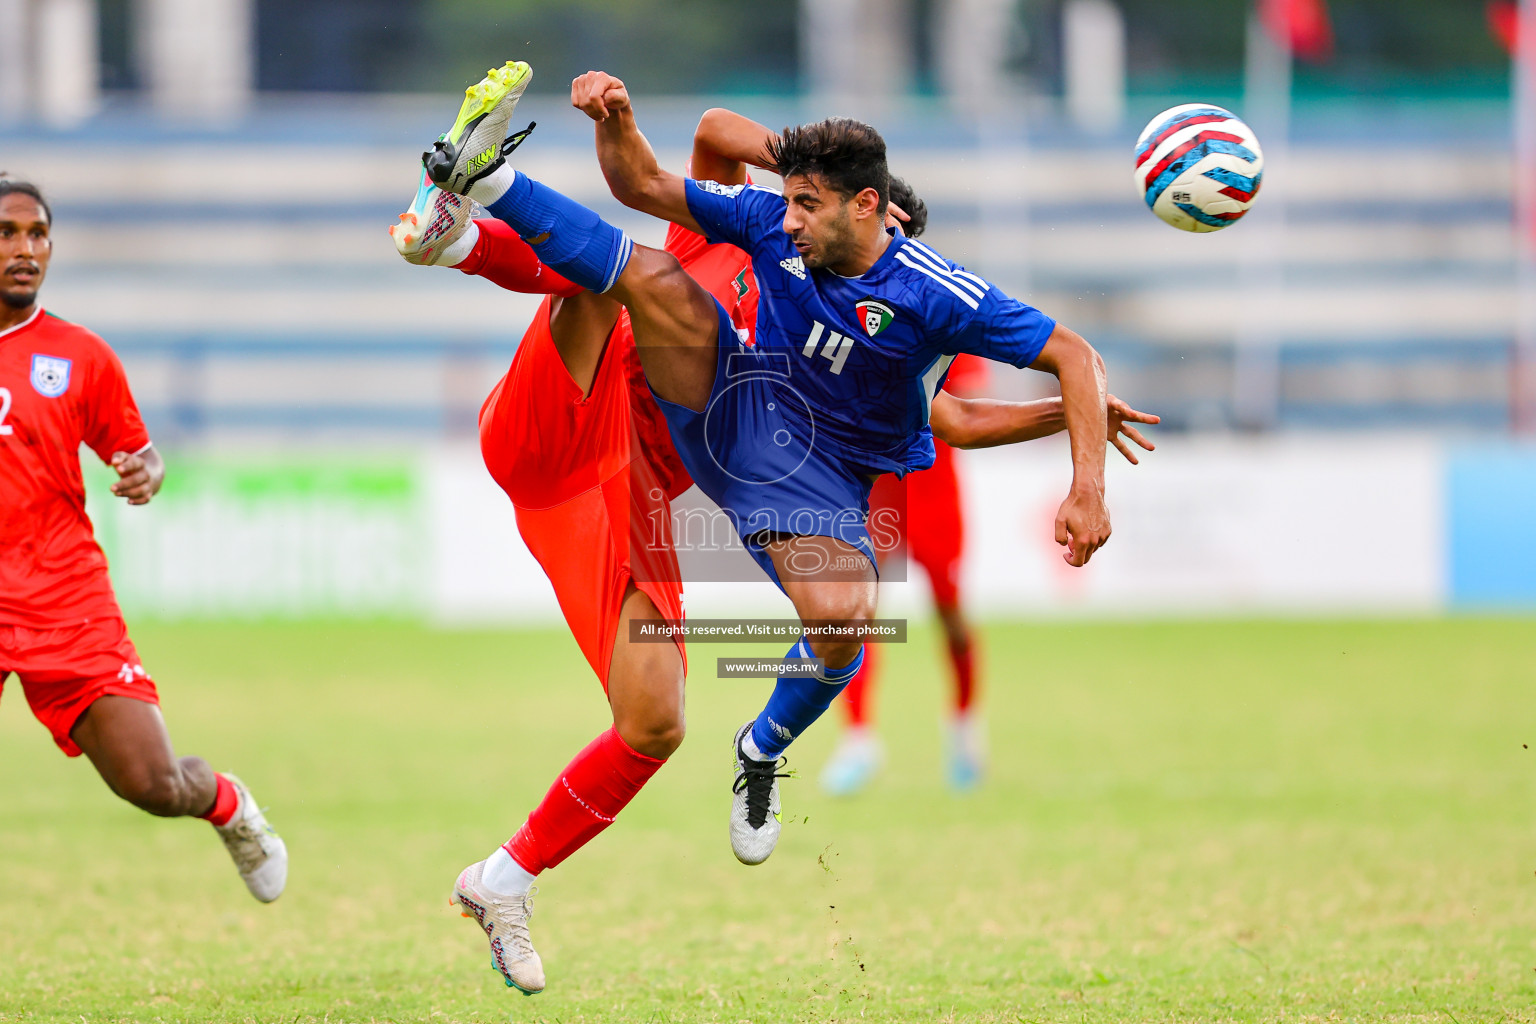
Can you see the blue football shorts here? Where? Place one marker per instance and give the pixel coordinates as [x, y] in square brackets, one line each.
[753, 451]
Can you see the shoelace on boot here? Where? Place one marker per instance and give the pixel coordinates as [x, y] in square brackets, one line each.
[516, 139]
[517, 929]
[757, 779]
[243, 839]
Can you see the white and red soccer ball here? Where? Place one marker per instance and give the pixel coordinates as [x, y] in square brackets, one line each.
[1198, 167]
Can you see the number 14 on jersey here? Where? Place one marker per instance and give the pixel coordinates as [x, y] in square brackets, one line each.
[836, 348]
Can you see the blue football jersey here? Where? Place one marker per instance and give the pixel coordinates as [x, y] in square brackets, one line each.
[867, 353]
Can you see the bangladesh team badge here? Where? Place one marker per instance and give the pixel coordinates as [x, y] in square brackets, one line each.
[50, 375]
[874, 315]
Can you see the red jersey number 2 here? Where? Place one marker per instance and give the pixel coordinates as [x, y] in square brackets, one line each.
[5, 410]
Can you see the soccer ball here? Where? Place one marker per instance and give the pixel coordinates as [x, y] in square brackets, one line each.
[1198, 167]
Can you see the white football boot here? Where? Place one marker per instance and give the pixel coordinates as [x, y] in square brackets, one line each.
[474, 146]
[259, 853]
[504, 919]
[856, 761]
[434, 222]
[756, 819]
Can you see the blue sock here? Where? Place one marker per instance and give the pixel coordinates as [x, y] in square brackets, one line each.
[797, 701]
[566, 235]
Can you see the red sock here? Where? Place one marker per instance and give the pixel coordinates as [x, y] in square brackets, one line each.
[856, 693]
[584, 800]
[504, 259]
[962, 661]
[226, 801]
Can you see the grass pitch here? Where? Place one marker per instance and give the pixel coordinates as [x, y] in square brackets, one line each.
[1222, 821]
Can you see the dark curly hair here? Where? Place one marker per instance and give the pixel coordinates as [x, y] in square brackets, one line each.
[848, 155]
[906, 197]
[25, 188]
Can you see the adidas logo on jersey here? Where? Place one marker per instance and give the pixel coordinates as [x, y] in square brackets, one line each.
[794, 266]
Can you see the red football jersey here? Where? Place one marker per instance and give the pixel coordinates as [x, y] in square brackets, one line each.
[60, 387]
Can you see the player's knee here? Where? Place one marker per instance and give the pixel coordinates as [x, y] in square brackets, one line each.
[660, 278]
[159, 790]
[652, 269]
[837, 654]
[657, 734]
[835, 620]
[840, 606]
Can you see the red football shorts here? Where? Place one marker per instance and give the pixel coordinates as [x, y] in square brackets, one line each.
[64, 671]
[591, 487]
[933, 526]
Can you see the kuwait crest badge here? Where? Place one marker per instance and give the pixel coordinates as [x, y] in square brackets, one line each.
[876, 316]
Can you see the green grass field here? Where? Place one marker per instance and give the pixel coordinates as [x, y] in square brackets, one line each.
[1203, 821]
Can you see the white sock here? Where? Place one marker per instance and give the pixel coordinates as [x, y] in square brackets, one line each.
[503, 874]
[749, 748]
[493, 186]
[458, 250]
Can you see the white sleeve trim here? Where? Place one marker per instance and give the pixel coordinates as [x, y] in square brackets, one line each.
[940, 265]
[146, 448]
[964, 297]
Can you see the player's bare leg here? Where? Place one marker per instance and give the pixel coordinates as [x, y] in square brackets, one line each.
[646, 684]
[677, 326]
[645, 692]
[580, 325]
[830, 582]
[127, 741]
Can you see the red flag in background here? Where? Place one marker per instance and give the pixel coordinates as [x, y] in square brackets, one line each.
[1302, 25]
[1504, 22]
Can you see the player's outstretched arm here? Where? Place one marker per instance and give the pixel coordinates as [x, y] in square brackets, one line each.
[139, 476]
[1082, 523]
[988, 423]
[726, 143]
[629, 164]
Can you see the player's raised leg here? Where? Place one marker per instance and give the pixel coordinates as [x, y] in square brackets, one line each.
[127, 741]
[676, 321]
[645, 692]
[438, 230]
